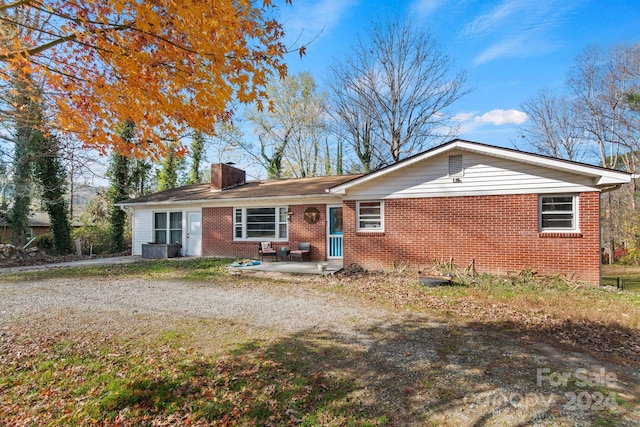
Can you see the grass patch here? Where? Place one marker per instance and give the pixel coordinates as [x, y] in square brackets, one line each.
[495, 298]
[546, 298]
[163, 381]
[550, 308]
[629, 276]
[208, 371]
[179, 268]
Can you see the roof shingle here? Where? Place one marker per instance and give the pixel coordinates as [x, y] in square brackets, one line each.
[289, 187]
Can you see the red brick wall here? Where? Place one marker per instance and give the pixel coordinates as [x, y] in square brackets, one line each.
[225, 176]
[217, 233]
[6, 233]
[301, 231]
[499, 232]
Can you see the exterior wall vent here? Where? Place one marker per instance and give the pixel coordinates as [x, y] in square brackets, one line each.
[455, 166]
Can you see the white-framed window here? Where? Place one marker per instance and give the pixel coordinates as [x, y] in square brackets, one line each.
[167, 227]
[370, 216]
[558, 212]
[260, 223]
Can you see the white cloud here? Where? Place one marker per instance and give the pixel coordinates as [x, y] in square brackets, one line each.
[424, 8]
[487, 22]
[510, 47]
[495, 126]
[519, 28]
[502, 117]
[463, 117]
[470, 121]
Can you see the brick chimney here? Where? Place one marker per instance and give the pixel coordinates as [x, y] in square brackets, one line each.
[225, 176]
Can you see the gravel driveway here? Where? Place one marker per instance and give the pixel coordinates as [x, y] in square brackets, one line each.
[292, 310]
[446, 372]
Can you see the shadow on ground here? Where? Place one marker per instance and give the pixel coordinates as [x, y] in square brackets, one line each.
[414, 372]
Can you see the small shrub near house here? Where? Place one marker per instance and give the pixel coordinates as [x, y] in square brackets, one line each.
[93, 238]
[44, 242]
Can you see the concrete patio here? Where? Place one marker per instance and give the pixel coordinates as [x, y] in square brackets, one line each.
[312, 267]
[293, 267]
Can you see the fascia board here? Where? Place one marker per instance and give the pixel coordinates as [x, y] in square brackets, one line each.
[317, 198]
[602, 176]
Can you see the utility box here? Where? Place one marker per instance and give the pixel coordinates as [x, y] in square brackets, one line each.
[160, 250]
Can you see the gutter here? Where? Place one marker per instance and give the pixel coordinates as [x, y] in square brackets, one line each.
[225, 201]
[611, 188]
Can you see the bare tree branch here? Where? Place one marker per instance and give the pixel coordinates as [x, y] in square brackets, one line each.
[393, 92]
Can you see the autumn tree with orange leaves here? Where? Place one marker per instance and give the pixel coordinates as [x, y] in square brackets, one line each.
[166, 65]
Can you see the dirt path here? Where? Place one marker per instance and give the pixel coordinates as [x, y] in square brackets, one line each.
[427, 370]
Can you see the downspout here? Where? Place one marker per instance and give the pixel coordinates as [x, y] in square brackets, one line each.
[607, 190]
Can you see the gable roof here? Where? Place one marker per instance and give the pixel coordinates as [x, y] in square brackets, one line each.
[602, 177]
[272, 188]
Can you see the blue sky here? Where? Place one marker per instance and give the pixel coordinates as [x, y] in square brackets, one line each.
[510, 49]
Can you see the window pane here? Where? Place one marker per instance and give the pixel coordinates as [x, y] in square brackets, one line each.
[160, 220]
[261, 215]
[261, 230]
[369, 209]
[557, 212]
[270, 234]
[336, 221]
[261, 222]
[175, 220]
[160, 227]
[160, 236]
[175, 236]
[370, 215]
[370, 224]
[557, 204]
[283, 231]
[238, 224]
[557, 221]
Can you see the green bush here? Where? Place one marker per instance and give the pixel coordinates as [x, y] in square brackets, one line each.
[44, 241]
[96, 236]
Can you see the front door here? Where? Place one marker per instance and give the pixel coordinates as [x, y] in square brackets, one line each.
[194, 233]
[334, 231]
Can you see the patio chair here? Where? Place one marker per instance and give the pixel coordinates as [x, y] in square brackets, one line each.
[265, 249]
[304, 250]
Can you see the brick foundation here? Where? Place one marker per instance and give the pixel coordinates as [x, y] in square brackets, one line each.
[499, 232]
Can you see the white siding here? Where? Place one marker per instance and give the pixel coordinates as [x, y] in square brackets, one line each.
[142, 229]
[482, 175]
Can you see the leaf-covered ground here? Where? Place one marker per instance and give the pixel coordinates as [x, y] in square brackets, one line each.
[500, 351]
[70, 377]
[602, 321]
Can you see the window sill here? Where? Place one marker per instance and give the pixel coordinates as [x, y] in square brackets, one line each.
[278, 241]
[370, 233]
[560, 234]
